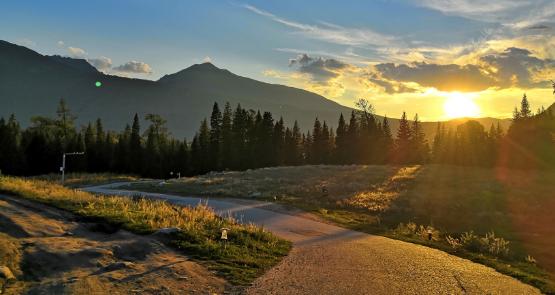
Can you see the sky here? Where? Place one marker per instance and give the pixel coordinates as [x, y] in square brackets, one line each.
[438, 58]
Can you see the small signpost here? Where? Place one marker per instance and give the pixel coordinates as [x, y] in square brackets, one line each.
[223, 238]
[63, 168]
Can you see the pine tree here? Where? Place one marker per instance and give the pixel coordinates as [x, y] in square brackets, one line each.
[353, 139]
[387, 141]
[204, 147]
[215, 138]
[100, 155]
[403, 140]
[317, 148]
[296, 144]
[240, 132]
[438, 142]
[326, 143]
[525, 111]
[419, 149]
[135, 147]
[227, 138]
[341, 153]
[279, 142]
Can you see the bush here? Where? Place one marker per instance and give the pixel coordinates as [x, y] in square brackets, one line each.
[489, 244]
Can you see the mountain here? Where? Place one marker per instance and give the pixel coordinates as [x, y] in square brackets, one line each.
[32, 84]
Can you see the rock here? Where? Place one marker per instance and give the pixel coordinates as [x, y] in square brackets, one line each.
[168, 230]
[117, 265]
[68, 234]
[6, 273]
[255, 194]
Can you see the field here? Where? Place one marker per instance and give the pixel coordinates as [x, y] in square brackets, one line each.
[84, 179]
[249, 252]
[462, 206]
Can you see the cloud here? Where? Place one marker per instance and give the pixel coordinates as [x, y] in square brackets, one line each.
[136, 67]
[319, 68]
[518, 67]
[76, 52]
[331, 33]
[511, 13]
[449, 77]
[61, 44]
[207, 59]
[102, 63]
[513, 67]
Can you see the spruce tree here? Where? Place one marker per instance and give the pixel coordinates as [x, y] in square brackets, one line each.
[403, 140]
[227, 138]
[215, 138]
[342, 142]
[525, 111]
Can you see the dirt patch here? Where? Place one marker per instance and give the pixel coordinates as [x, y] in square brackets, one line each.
[50, 252]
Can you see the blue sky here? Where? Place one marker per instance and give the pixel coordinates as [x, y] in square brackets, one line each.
[397, 53]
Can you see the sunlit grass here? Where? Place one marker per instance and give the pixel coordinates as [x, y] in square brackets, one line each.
[510, 213]
[249, 252]
[84, 179]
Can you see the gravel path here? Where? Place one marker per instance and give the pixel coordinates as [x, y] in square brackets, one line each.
[327, 259]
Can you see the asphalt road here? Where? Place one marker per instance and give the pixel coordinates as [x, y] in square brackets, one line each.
[327, 259]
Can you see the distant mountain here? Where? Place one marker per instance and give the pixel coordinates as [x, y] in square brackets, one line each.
[32, 84]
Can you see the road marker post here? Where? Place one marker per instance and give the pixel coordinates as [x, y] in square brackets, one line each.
[223, 237]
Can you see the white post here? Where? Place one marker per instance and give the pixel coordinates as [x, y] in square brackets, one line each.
[63, 168]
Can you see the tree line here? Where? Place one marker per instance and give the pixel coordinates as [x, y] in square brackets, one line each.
[239, 139]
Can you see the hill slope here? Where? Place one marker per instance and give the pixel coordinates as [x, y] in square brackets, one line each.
[32, 84]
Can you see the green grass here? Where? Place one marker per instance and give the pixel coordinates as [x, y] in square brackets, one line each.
[516, 205]
[86, 179]
[249, 252]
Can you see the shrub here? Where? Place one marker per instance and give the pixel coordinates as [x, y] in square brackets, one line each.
[489, 244]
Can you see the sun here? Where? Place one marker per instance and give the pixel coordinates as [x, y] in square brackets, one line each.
[459, 105]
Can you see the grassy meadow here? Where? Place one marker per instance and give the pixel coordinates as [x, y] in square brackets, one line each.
[249, 252]
[498, 217]
[75, 179]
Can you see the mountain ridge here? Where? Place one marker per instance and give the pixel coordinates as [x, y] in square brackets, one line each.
[184, 98]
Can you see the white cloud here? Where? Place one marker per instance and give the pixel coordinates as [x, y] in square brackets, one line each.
[207, 59]
[76, 52]
[511, 13]
[136, 67]
[61, 44]
[102, 63]
[331, 33]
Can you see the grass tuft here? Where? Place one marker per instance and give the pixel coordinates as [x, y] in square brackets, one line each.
[249, 251]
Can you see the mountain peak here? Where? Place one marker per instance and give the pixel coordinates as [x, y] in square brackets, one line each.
[195, 70]
[204, 66]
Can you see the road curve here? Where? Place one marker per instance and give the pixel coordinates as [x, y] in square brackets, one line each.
[327, 259]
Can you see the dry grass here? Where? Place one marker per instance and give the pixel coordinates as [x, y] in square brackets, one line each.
[250, 250]
[84, 179]
[10, 256]
[516, 205]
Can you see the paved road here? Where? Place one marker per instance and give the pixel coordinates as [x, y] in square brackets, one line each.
[327, 259]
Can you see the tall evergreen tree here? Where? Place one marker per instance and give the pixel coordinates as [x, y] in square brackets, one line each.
[135, 147]
[525, 111]
[403, 141]
[215, 138]
[227, 138]
[341, 153]
[419, 150]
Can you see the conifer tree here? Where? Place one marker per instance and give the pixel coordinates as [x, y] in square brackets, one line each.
[215, 137]
[341, 153]
[227, 137]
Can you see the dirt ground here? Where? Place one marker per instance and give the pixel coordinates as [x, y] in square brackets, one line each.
[51, 252]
